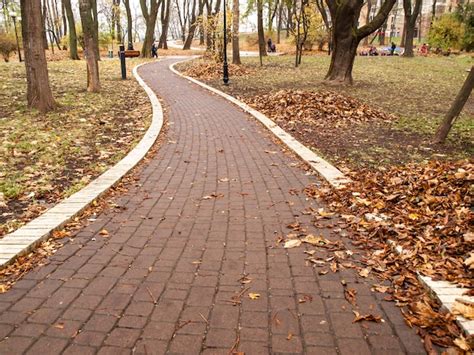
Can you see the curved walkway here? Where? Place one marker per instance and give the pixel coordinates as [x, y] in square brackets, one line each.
[195, 236]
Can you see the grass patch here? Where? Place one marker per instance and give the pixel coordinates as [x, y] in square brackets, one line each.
[45, 157]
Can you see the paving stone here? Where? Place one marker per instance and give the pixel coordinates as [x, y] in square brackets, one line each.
[167, 277]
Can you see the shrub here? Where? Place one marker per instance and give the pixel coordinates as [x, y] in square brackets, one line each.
[447, 33]
[7, 45]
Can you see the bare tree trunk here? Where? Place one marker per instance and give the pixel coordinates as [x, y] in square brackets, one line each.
[455, 109]
[433, 11]
[129, 23]
[95, 19]
[410, 23]
[118, 21]
[165, 22]
[279, 21]
[261, 34]
[64, 18]
[235, 33]
[39, 95]
[150, 21]
[346, 38]
[72, 30]
[90, 44]
[367, 19]
[193, 24]
[43, 21]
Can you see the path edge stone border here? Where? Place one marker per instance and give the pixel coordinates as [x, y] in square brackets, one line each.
[329, 172]
[26, 238]
[443, 291]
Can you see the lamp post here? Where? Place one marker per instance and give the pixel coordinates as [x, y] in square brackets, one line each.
[13, 16]
[226, 68]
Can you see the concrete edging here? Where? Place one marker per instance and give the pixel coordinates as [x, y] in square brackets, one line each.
[329, 172]
[445, 292]
[26, 238]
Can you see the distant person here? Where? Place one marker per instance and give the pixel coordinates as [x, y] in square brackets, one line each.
[273, 48]
[373, 51]
[269, 45]
[392, 49]
[154, 50]
[424, 50]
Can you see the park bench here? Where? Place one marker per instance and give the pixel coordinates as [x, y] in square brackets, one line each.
[132, 54]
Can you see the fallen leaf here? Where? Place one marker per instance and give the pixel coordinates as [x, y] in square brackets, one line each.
[292, 243]
[254, 296]
[350, 295]
[463, 308]
[367, 317]
[104, 232]
[364, 272]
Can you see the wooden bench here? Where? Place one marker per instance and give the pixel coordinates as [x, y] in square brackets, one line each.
[132, 54]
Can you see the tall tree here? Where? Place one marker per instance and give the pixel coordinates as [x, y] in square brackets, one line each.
[261, 33]
[43, 19]
[411, 14]
[38, 92]
[90, 45]
[150, 21]
[455, 108]
[235, 32]
[346, 36]
[165, 24]
[193, 23]
[129, 23]
[72, 30]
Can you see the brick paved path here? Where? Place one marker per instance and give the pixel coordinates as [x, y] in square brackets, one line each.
[164, 279]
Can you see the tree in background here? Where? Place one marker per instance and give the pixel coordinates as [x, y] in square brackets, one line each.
[38, 93]
[235, 32]
[150, 21]
[129, 24]
[346, 36]
[72, 30]
[261, 33]
[91, 46]
[411, 15]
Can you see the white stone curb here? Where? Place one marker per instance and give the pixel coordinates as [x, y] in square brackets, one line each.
[445, 292]
[334, 176]
[26, 238]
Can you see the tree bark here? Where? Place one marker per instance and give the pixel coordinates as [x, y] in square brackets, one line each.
[367, 19]
[261, 34]
[410, 23]
[193, 24]
[150, 21]
[129, 23]
[95, 19]
[346, 36]
[90, 44]
[165, 23]
[235, 32]
[279, 21]
[455, 108]
[43, 21]
[39, 95]
[72, 30]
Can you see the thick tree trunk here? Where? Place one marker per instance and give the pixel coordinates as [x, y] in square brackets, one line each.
[129, 23]
[95, 19]
[261, 34]
[346, 36]
[455, 109]
[39, 95]
[150, 21]
[235, 32]
[118, 21]
[72, 30]
[411, 16]
[165, 23]
[90, 44]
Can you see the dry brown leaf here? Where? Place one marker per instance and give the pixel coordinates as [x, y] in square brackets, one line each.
[463, 308]
[254, 296]
[292, 243]
[367, 317]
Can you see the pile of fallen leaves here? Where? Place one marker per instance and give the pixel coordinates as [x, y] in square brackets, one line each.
[426, 209]
[213, 70]
[299, 110]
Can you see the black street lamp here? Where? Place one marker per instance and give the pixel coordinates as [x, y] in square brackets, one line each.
[13, 16]
[226, 67]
